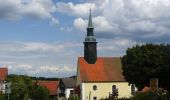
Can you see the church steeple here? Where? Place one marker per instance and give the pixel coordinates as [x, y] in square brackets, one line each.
[90, 48]
[90, 27]
[90, 23]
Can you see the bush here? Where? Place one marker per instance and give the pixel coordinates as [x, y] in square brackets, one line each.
[160, 95]
[2, 97]
[74, 97]
[151, 96]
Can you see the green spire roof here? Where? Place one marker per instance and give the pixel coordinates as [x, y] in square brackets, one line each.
[90, 23]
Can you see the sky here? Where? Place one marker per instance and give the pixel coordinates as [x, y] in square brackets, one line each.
[44, 38]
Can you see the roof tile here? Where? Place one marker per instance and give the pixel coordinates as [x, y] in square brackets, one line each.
[3, 73]
[105, 69]
[52, 86]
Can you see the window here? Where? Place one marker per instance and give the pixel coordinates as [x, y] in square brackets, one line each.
[114, 91]
[94, 87]
[94, 98]
[132, 89]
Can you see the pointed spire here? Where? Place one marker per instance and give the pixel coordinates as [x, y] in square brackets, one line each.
[90, 23]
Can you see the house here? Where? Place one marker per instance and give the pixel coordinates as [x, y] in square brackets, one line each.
[100, 77]
[3, 76]
[52, 86]
[67, 86]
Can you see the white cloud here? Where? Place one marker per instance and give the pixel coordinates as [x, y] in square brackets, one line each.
[81, 24]
[76, 10]
[40, 58]
[37, 46]
[66, 29]
[36, 9]
[57, 59]
[136, 19]
[115, 47]
[42, 70]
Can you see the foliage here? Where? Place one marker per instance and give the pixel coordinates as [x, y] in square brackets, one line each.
[2, 97]
[23, 86]
[74, 97]
[20, 87]
[150, 96]
[44, 78]
[141, 63]
[146, 96]
[39, 93]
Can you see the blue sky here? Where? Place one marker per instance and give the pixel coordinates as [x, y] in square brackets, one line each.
[45, 37]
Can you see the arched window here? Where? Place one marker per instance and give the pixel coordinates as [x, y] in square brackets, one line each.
[114, 91]
[132, 89]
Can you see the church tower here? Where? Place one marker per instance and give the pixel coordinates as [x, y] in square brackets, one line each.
[90, 44]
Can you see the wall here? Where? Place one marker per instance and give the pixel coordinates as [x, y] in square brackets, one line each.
[67, 92]
[2, 87]
[103, 89]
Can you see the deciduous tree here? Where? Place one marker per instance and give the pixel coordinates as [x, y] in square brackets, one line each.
[141, 63]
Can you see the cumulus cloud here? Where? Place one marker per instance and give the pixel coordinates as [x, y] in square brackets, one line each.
[57, 59]
[75, 9]
[115, 47]
[35, 9]
[80, 24]
[144, 20]
[40, 58]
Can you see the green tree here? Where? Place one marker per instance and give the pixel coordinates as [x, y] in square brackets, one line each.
[39, 93]
[19, 90]
[141, 63]
[2, 97]
[23, 88]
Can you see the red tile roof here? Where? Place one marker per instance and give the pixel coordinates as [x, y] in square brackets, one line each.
[105, 69]
[52, 86]
[3, 73]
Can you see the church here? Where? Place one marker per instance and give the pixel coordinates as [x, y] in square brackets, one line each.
[100, 77]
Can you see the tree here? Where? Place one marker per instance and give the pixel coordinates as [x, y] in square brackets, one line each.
[141, 63]
[39, 93]
[23, 88]
[2, 97]
[19, 87]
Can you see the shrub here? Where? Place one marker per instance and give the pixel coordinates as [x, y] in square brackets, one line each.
[151, 96]
[74, 97]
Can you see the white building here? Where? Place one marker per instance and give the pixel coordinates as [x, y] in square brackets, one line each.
[66, 87]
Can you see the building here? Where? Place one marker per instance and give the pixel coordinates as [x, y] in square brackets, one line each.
[100, 77]
[67, 86]
[3, 76]
[52, 86]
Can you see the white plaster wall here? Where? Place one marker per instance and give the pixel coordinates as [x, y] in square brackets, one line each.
[67, 92]
[103, 90]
